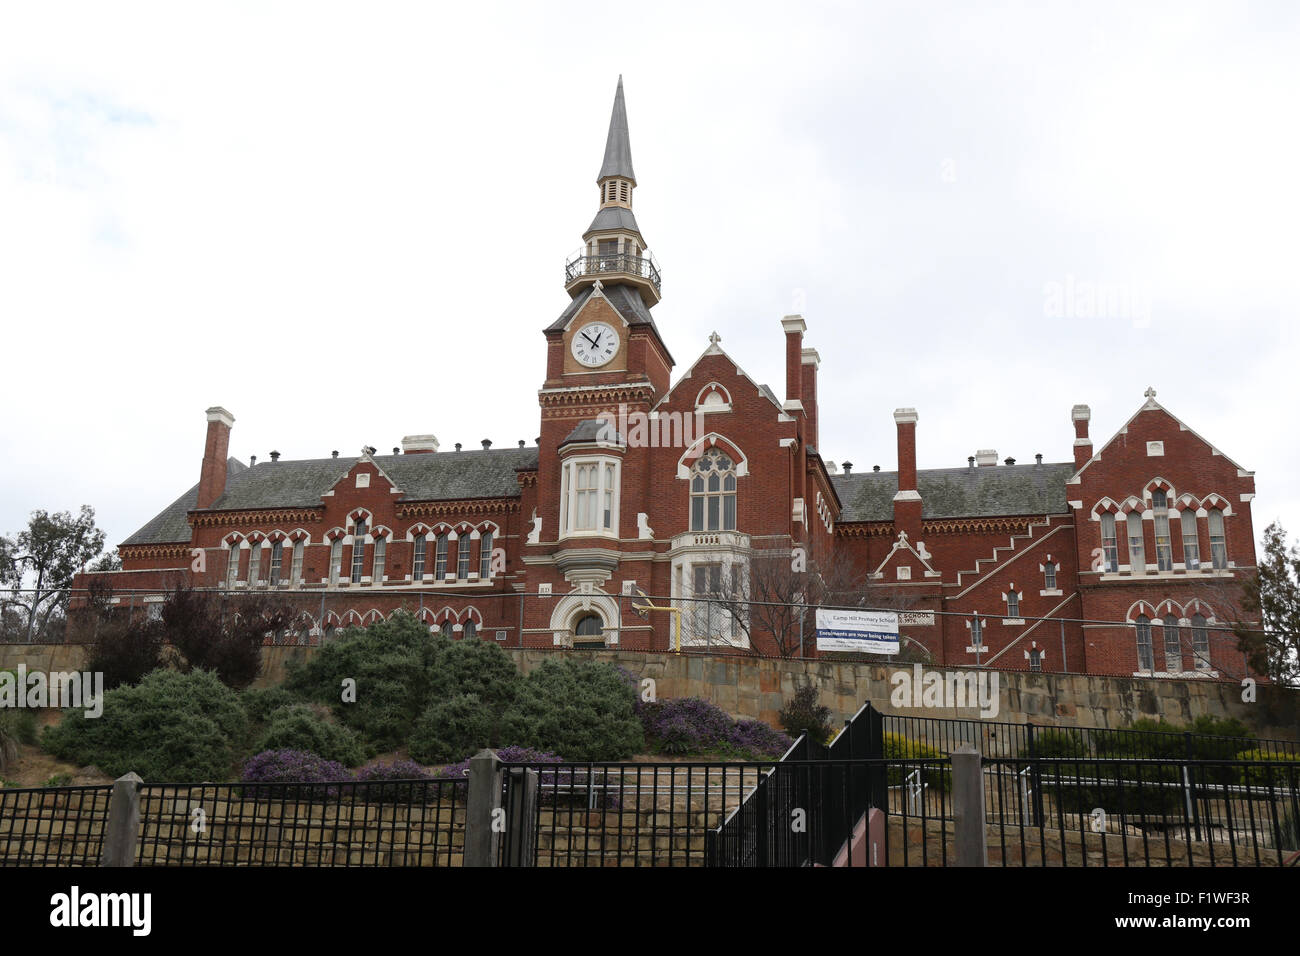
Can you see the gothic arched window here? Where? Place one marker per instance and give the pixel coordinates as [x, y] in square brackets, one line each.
[1146, 657]
[713, 492]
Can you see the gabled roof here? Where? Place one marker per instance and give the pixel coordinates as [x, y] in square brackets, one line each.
[981, 492]
[171, 524]
[618, 148]
[625, 299]
[1151, 405]
[716, 349]
[436, 476]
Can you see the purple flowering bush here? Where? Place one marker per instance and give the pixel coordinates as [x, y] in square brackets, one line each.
[292, 766]
[396, 781]
[692, 725]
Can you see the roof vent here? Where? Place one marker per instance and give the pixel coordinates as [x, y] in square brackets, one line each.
[1038, 459]
[971, 461]
[275, 456]
[458, 446]
[985, 457]
[847, 466]
[252, 460]
[875, 467]
[487, 443]
[521, 443]
[334, 454]
[1009, 461]
[396, 450]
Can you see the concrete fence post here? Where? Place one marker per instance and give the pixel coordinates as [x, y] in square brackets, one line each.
[122, 829]
[970, 839]
[483, 816]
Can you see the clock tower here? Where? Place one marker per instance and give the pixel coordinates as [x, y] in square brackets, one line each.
[605, 361]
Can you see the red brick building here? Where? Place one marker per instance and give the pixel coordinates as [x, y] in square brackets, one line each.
[1114, 562]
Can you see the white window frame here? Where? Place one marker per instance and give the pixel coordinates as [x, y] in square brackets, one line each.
[1049, 576]
[1201, 643]
[1160, 513]
[441, 545]
[381, 555]
[485, 555]
[1131, 521]
[1191, 540]
[1218, 542]
[1142, 627]
[336, 561]
[1173, 643]
[277, 563]
[255, 565]
[1110, 552]
[419, 554]
[358, 570]
[232, 567]
[606, 498]
[295, 566]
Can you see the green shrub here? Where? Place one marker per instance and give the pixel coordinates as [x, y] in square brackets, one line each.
[18, 725]
[1285, 774]
[899, 747]
[401, 670]
[260, 702]
[453, 729]
[170, 727]
[580, 709]
[301, 727]
[802, 714]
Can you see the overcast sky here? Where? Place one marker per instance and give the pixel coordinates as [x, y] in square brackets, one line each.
[348, 224]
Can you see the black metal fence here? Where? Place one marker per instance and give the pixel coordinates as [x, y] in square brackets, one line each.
[53, 826]
[346, 824]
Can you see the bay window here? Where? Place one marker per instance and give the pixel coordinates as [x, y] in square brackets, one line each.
[589, 496]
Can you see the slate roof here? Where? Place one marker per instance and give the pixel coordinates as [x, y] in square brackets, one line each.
[436, 476]
[618, 149]
[171, 525]
[980, 492]
[593, 429]
[613, 217]
[625, 299]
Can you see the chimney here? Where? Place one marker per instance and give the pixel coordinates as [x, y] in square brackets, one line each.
[848, 467]
[795, 327]
[811, 362]
[1081, 414]
[252, 460]
[212, 476]
[986, 457]
[419, 444]
[907, 503]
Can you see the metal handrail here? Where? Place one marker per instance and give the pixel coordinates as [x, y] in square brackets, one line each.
[626, 263]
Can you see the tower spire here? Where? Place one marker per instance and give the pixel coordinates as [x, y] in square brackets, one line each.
[618, 149]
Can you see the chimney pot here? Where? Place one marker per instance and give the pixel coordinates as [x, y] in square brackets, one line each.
[252, 460]
[971, 461]
[275, 456]
[847, 466]
[521, 443]
[335, 453]
[458, 446]
[487, 443]
[875, 467]
[1009, 461]
[396, 450]
[1038, 459]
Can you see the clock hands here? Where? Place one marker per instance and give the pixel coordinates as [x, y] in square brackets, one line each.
[595, 343]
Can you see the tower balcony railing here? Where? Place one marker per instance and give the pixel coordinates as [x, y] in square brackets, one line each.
[643, 267]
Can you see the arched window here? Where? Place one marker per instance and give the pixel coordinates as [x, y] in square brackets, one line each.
[470, 629]
[485, 555]
[1035, 660]
[1200, 642]
[440, 557]
[336, 560]
[1173, 645]
[589, 631]
[976, 632]
[1013, 603]
[255, 565]
[1218, 543]
[358, 551]
[1164, 549]
[1146, 657]
[1049, 576]
[277, 562]
[446, 628]
[417, 557]
[713, 492]
[1191, 543]
[1136, 559]
[232, 566]
[295, 569]
[463, 544]
[381, 553]
[1109, 543]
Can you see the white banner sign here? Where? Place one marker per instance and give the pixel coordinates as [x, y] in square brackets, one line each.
[863, 632]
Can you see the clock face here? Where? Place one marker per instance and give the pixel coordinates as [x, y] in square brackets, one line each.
[594, 344]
